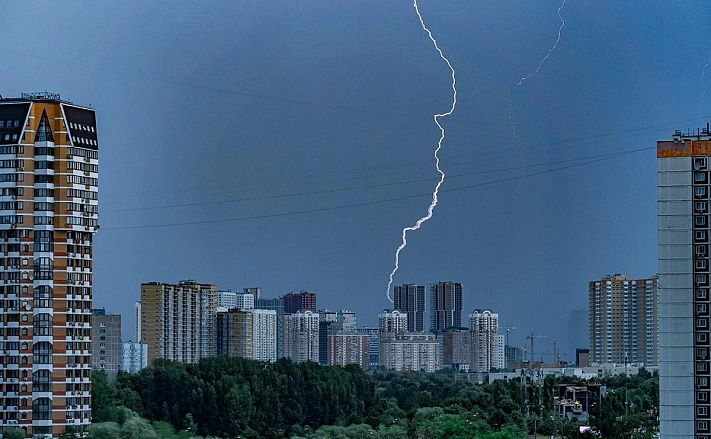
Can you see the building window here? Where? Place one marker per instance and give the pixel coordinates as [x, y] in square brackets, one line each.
[42, 381]
[699, 235]
[42, 409]
[700, 264]
[701, 206]
[702, 426]
[700, 191]
[701, 279]
[702, 353]
[701, 308]
[702, 366]
[701, 323]
[700, 220]
[699, 177]
[701, 293]
[42, 352]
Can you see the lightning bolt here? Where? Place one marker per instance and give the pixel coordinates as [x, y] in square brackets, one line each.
[432, 205]
[532, 74]
[703, 84]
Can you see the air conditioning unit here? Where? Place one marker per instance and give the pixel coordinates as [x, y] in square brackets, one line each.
[14, 197]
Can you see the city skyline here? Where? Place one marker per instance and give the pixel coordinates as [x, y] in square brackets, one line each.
[333, 108]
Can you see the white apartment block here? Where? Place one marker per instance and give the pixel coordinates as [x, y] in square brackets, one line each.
[264, 334]
[300, 336]
[416, 351]
[487, 349]
[134, 356]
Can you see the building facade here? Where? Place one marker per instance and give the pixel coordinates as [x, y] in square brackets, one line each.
[235, 329]
[300, 336]
[683, 224]
[134, 356]
[445, 305]
[623, 320]
[295, 302]
[410, 298]
[178, 321]
[229, 299]
[347, 347]
[416, 351]
[456, 348]
[48, 218]
[106, 342]
[487, 345]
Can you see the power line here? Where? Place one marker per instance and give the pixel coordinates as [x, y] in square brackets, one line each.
[372, 186]
[480, 157]
[388, 200]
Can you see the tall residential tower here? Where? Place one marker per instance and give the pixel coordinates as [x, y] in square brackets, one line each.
[683, 222]
[410, 298]
[48, 217]
[446, 305]
[623, 320]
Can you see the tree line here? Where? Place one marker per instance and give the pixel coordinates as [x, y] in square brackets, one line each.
[234, 397]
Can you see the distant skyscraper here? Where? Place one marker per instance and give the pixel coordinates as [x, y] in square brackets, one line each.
[137, 316]
[623, 320]
[410, 298]
[294, 302]
[487, 345]
[134, 356]
[300, 336]
[684, 229]
[106, 342]
[49, 188]
[178, 321]
[445, 305]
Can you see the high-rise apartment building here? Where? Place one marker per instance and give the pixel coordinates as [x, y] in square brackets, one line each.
[456, 348]
[300, 336]
[410, 298]
[295, 302]
[247, 333]
[178, 321]
[392, 321]
[623, 320]
[445, 305]
[106, 342]
[683, 222]
[137, 316]
[235, 333]
[487, 346]
[48, 217]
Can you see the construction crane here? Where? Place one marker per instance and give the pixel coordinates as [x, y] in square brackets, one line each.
[533, 337]
[508, 328]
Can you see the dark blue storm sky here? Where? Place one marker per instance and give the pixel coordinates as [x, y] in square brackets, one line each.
[293, 141]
